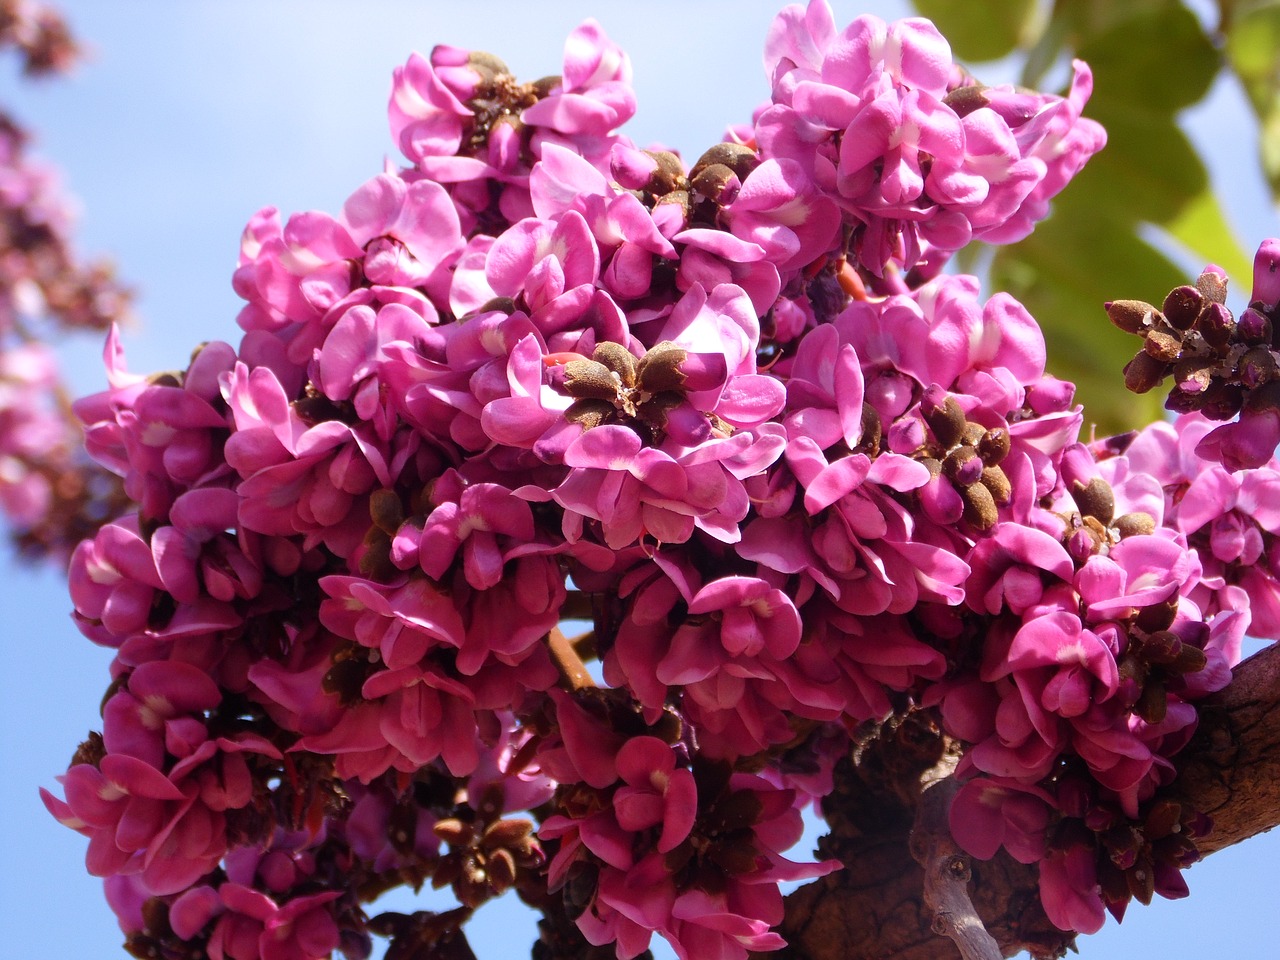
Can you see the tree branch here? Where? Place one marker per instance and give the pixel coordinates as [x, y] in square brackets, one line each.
[880, 907]
[947, 875]
[1231, 769]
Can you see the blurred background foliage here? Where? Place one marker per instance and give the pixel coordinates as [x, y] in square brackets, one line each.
[1115, 230]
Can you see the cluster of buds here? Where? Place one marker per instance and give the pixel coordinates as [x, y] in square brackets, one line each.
[1222, 365]
[1128, 858]
[968, 455]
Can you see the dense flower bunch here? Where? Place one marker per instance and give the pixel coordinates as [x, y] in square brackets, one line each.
[794, 478]
[50, 494]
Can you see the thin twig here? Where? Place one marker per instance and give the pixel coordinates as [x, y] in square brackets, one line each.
[573, 673]
[947, 874]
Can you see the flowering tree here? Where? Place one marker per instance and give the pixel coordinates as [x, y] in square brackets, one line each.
[540, 399]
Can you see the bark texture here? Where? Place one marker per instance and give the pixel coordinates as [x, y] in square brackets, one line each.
[876, 909]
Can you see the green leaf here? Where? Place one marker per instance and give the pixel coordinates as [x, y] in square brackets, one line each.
[1063, 273]
[1253, 51]
[1202, 228]
[980, 29]
[1086, 18]
[1157, 55]
[1148, 171]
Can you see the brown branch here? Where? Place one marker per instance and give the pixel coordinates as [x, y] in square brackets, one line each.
[877, 909]
[1231, 769]
[947, 874]
[573, 673]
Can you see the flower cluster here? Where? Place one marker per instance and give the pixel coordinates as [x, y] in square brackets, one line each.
[730, 415]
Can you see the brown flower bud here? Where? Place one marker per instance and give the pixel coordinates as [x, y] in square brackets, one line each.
[1157, 616]
[589, 413]
[1213, 285]
[712, 181]
[947, 421]
[680, 197]
[1144, 372]
[1135, 525]
[1216, 325]
[499, 304]
[618, 359]
[1163, 345]
[659, 369]
[590, 379]
[1182, 307]
[1256, 367]
[1095, 500]
[964, 100]
[738, 158]
[1153, 702]
[488, 66]
[507, 833]
[501, 870]
[1131, 316]
[453, 832]
[962, 466]
[994, 479]
[544, 86]
[1163, 818]
[1161, 647]
[386, 511]
[994, 446]
[979, 506]
[872, 430]
[1142, 878]
[668, 175]
[1189, 660]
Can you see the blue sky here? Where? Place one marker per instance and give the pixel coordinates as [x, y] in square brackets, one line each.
[189, 117]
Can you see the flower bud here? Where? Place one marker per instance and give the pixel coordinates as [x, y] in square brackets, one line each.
[453, 832]
[1153, 702]
[1131, 316]
[979, 506]
[1095, 500]
[943, 415]
[1144, 372]
[1256, 367]
[966, 99]
[1254, 327]
[994, 479]
[618, 359]
[1163, 346]
[963, 466]
[738, 158]
[1182, 307]
[659, 370]
[1216, 325]
[386, 511]
[1212, 282]
[1135, 525]
[1266, 274]
[590, 380]
[717, 183]
[994, 446]
[1163, 818]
